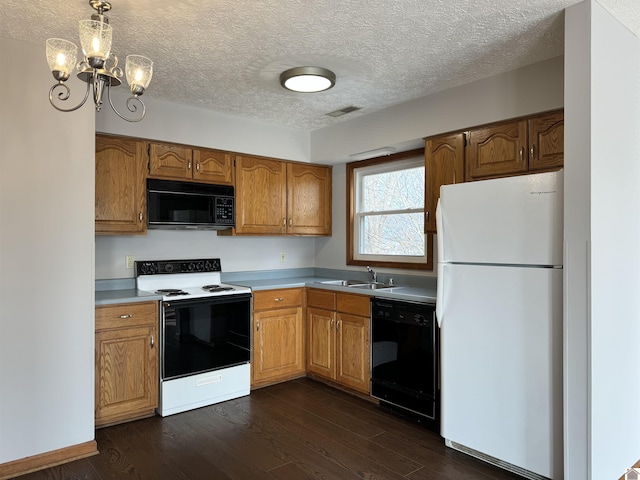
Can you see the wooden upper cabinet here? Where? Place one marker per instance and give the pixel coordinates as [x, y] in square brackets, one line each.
[308, 199]
[213, 166]
[444, 165]
[497, 150]
[275, 197]
[181, 162]
[120, 176]
[170, 161]
[546, 141]
[261, 196]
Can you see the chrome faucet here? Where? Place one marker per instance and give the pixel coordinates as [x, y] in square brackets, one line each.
[374, 275]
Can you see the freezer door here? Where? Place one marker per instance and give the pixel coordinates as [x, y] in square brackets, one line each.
[501, 354]
[515, 220]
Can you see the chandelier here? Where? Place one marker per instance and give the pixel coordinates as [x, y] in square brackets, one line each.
[99, 69]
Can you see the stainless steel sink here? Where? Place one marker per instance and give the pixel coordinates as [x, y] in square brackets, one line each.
[371, 286]
[344, 283]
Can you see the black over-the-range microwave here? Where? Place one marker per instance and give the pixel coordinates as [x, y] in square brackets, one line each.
[188, 205]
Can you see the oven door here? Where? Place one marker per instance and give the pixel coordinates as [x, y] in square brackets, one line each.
[205, 334]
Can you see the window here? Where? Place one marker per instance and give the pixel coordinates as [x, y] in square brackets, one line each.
[386, 212]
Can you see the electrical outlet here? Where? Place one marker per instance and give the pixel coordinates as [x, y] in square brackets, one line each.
[282, 257]
[129, 261]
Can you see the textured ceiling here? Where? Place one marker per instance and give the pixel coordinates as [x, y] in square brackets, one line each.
[227, 55]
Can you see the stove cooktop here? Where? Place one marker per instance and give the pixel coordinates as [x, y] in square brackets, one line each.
[184, 279]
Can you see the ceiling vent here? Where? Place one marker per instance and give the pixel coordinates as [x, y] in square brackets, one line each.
[343, 111]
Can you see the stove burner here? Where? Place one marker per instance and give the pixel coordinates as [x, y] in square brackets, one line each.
[216, 288]
[171, 292]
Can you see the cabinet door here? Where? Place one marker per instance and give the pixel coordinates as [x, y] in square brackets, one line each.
[352, 352]
[170, 161]
[308, 199]
[277, 345]
[496, 151]
[261, 196]
[120, 206]
[444, 165]
[321, 342]
[126, 374]
[546, 141]
[213, 166]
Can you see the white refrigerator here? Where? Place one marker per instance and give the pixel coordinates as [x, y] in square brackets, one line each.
[499, 306]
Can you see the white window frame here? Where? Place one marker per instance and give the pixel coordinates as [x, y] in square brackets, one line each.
[359, 215]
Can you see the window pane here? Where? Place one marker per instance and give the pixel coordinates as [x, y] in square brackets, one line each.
[400, 234]
[399, 190]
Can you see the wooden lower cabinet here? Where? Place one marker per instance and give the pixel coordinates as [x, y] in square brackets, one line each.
[126, 362]
[338, 338]
[278, 336]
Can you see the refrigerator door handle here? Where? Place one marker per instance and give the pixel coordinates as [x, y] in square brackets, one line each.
[442, 267]
[440, 278]
[439, 233]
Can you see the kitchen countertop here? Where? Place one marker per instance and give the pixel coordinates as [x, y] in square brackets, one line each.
[127, 295]
[407, 293]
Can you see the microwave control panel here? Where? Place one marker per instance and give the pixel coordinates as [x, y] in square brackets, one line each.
[223, 211]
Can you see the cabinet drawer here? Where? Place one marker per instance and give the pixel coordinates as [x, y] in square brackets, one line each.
[354, 304]
[321, 299]
[268, 299]
[126, 315]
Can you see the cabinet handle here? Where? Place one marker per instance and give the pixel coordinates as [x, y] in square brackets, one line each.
[532, 152]
[284, 221]
[140, 216]
[522, 154]
[153, 341]
[257, 325]
[126, 316]
[426, 216]
[290, 221]
[198, 166]
[337, 325]
[189, 165]
[279, 299]
[331, 324]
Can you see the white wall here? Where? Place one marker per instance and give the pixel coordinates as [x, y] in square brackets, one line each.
[46, 262]
[193, 126]
[521, 92]
[530, 89]
[602, 235]
[237, 254]
[171, 122]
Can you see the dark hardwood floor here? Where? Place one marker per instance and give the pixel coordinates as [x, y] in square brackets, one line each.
[295, 430]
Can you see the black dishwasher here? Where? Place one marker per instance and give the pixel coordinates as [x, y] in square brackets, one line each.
[405, 358]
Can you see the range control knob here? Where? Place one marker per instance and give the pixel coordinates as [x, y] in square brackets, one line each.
[168, 268]
[419, 319]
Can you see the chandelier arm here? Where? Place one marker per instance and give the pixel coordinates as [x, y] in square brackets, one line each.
[64, 96]
[131, 106]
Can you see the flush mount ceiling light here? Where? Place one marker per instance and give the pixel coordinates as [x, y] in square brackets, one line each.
[95, 38]
[307, 79]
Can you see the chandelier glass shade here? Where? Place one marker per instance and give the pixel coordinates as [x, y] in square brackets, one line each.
[99, 67]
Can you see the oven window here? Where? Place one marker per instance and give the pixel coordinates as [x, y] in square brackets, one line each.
[205, 335]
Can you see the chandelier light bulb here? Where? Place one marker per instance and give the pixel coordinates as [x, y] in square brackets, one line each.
[61, 57]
